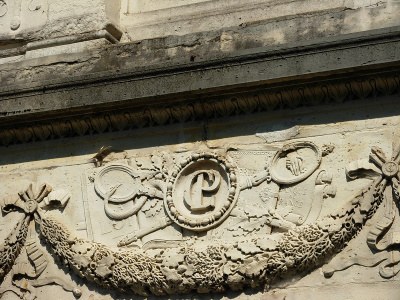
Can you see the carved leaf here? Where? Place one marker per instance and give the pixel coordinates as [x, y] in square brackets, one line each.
[267, 101]
[181, 112]
[6, 137]
[42, 132]
[246, 227]
[79, 126]
[23, 134]
[224, 107]
[290, 97]
[60, 129]
[157, 161]
[255, 268]
[358, 217]
[81, 261]
[246, 103]
[361, 88]
[144, 163]
[152, 208]
[139, 118]
[160, 115]
[205, 110]
[312, 95]
[103, 271]
[119, 121]
[387, 85]
[12, 246]
[99, 123]
[339, 92]
[255, 211]
[168, 160]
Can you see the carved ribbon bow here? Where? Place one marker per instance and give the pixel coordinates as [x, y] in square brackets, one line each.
[379, 238]
[31, 203]
[27, 200]
[389, 169]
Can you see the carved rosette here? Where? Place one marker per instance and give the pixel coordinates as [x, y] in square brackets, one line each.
[201, 192]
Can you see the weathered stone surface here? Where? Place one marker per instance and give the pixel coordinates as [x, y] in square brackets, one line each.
[25, 21]
[254, 22]
[252, 153]
[87, 216]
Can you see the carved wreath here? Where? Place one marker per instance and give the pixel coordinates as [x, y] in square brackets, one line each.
[213, 270]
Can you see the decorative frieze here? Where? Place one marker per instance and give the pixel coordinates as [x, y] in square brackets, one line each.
[255, 234]
[249, 102]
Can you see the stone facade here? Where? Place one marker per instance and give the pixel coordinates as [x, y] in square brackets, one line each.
[199, 149]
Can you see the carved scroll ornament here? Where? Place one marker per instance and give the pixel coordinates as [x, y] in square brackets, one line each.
[198, 194]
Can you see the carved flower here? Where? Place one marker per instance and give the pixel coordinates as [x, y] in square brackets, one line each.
[234, 254]
[289, 261]
[102, 271]
[254, 267]
[173, 260]
[358, 217]
[267, 243]
[81, 248]
[230, 268]
[172, 275]
[104, 265]
[248, 247]
[81, 261]
[332, 225]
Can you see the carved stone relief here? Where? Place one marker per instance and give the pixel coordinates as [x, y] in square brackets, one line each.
[23, 259]
[383, 235]
[174, 222]
[22, 15]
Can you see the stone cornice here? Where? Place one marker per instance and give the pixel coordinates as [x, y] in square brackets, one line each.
[327, 70]
[268, 98]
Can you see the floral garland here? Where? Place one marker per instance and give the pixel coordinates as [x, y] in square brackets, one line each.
[181, 270]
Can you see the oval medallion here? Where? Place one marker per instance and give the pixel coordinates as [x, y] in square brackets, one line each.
[295, 162]
[113, 175]
[201, 192]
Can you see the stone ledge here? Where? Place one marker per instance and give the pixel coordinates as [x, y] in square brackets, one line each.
[173, 81]
[268, 98]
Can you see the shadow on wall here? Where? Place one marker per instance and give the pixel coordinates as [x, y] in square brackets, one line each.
[261, 127]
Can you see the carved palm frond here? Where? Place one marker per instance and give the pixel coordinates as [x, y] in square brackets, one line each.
[12, 246]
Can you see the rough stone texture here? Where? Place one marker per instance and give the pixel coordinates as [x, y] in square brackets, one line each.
[256, 22]
[199, 149]
[66, 166]
[44, 19]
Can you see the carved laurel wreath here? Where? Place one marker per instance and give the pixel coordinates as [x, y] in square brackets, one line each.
[211, 270]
